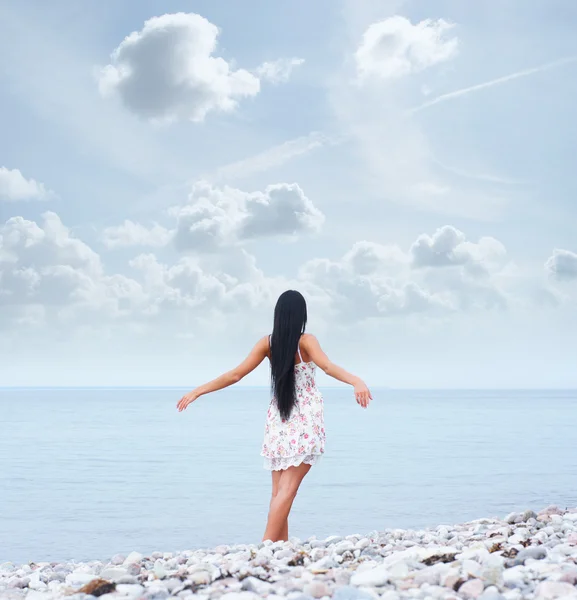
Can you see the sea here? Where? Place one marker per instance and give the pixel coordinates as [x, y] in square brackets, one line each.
[89, 473]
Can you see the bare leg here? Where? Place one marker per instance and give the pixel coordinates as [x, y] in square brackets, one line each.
[276, 476]
[280, 506]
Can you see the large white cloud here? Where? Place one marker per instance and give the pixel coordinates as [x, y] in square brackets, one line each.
[219, 217]
[167, 71]
[14, 186]
[562, 265]
[395, 47]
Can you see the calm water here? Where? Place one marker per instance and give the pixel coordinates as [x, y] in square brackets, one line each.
[88, 473]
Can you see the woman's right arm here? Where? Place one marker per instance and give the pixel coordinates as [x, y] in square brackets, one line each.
[315, 352]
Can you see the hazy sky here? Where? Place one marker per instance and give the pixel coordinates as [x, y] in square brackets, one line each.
[168, 168]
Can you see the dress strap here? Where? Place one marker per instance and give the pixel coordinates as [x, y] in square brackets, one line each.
[299, 351]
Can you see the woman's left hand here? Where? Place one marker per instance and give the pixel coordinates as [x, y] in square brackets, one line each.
[362, 394]
[186, 400]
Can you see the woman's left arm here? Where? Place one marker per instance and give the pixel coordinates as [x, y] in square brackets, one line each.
[250, 363]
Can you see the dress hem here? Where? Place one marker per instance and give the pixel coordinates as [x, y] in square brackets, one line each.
[284, 462]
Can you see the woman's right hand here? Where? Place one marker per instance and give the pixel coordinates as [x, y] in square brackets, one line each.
[362, 394]
[186, 400]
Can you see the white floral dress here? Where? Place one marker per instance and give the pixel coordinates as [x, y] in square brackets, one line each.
[300, 438]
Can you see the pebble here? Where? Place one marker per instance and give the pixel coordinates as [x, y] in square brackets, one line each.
[113, 573]
[348, 592]
[133, 557]
[534, 552]
[491, 593]
[472, 588]
[371, 578]
[317, 589]
[524, 555]
[550, 590]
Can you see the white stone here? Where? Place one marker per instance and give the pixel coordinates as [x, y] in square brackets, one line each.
[129, 589]
[317, 589]
[37, 595]
[551, 590]
[491, 593]
[362, 544]
[252, 584]
[133, 557]
[471, 568]
[343, 547]
[333, 539]
[492, 570]
[515, 576]
[398, 570]
[472, 588]
[113, 573]
[78, 578]
[159, 569]
[373, 577]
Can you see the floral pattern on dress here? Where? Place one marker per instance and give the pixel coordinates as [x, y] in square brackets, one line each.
[300, 438]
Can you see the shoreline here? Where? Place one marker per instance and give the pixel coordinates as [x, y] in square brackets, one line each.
[523, 555]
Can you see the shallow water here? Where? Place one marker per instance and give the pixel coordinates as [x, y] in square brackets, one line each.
[92, 472]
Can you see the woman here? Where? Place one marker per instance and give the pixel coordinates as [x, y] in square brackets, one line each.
[294, 431]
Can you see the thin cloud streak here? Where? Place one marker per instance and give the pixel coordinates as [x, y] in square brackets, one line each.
[270, 158]
[488, 84]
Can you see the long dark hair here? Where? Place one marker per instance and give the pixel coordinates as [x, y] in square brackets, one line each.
[290, 320]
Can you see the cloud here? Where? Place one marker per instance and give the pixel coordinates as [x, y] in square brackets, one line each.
[493, 82]
[220, 217]
[399, 158]
[278, 71]
[24, 244]
[167, 71]
[395, 47]
[15, 187]
[562, 265]
[449, 247]
[50, 277]
[190, 284]
[439, 274]
[45, 270]
[273, 157]
[135, 234]
[366, 258]
[369, 292]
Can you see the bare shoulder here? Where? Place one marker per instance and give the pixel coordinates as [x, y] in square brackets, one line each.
[263, 342]
[308, 339]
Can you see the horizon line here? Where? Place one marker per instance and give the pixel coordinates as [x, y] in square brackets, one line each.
[381, 388]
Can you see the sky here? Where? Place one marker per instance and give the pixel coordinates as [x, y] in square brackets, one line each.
[167, 169]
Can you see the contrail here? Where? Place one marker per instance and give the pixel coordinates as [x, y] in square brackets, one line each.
[498, 81]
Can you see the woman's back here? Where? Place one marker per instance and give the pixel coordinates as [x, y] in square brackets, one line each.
[300, 438]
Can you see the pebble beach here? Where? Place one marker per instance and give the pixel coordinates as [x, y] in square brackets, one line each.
[521, 556]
